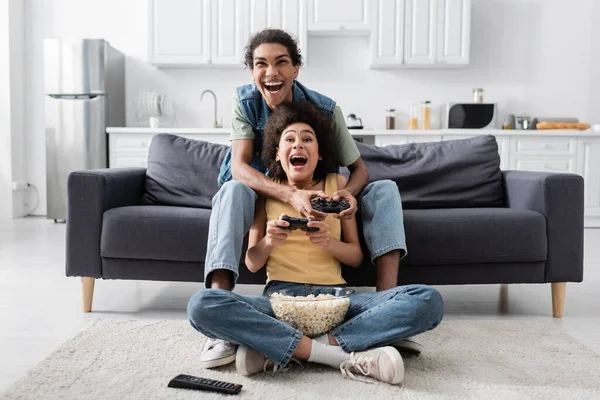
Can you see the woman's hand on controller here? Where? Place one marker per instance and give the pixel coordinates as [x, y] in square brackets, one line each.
[300, 200]
[346, 195]
[322, 237]
[276, 231]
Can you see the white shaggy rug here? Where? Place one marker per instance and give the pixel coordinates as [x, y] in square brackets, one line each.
[116, 359]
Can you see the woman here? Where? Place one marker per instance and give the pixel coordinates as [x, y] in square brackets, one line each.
[299, 153]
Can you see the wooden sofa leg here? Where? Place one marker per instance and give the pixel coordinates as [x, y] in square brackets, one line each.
[87, 286]
[558, 298]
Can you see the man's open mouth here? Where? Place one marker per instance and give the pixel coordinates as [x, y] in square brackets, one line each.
[273, 87]
[298, 161]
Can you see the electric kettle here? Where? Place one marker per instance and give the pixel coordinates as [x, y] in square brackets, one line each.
[352, 122]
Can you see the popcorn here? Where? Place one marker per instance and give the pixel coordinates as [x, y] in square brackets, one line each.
[313, 315]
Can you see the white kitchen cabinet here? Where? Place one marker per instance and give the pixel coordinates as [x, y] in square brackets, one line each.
[179, 32]
[588, 166]
[437, 32]
[420, 31]
[289, 15]
[227, 32]
[192, 33]
[338, 16]
[387, 33]
[454, 30]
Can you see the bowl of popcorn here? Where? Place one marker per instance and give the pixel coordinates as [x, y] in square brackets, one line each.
[315, 314]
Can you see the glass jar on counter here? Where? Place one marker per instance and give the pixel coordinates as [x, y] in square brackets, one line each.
[413, 117]
[426, 114]
[477, 95]
[390, 118]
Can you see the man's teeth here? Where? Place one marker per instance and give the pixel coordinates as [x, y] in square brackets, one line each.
[273, 83]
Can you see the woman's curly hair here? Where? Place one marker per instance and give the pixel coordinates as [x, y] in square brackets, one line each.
[272, 36]
[287, 114]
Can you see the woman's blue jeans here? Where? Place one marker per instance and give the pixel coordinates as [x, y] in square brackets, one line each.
[373, 319]
[232, 214]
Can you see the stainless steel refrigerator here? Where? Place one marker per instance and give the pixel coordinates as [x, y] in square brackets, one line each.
[84, 84]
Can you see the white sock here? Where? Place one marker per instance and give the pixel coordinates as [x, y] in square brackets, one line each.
[327, 354]
[322, 339]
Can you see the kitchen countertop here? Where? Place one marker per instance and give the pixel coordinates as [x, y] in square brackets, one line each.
[373, 132]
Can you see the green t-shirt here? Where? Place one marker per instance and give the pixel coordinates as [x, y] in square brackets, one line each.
[347, 150]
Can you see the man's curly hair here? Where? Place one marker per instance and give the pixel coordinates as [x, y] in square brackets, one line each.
[272, 36]
[287, 114]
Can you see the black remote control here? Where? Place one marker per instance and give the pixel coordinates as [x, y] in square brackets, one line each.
[210, 385]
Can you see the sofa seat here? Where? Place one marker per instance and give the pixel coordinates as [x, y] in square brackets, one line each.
[155, 233]
[474, 236]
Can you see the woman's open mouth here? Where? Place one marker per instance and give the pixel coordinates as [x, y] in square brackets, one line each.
[298, 161]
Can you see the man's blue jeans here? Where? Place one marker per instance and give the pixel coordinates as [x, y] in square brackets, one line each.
[373, 319]
[232, 214]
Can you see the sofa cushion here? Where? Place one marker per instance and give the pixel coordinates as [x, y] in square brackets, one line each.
[447, 174]
[474, 236]
[182, 172]
[155, 233]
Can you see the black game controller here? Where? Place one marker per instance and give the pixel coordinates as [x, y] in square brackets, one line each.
[298, 223]
[329, 206]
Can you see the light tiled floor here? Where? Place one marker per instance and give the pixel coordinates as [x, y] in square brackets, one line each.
[40, 308]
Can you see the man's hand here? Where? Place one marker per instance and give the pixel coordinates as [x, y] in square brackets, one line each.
[346, 195]
[300, 200]
[322, 236]
[276, 232]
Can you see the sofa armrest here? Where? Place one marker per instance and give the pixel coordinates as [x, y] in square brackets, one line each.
[89, 194]
[560, 198]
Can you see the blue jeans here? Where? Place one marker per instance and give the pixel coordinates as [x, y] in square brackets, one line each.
[233, 212]
[373, 319]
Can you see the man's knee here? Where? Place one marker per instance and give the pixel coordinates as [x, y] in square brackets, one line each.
[237, 189]
[205, 303]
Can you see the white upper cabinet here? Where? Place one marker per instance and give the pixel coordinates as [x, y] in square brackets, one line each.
[196, 32]
[454, 31]
[289, 15]
[179, 32]
[437, 32]
[420, 31]
[336, 16]
[387, 33]
[227, 31]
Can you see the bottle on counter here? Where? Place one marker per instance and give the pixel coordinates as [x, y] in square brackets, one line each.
[413, 117]
[477, 95]
[390, 118]
[426, 114]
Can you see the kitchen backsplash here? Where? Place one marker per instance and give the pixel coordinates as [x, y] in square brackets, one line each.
[333, 70]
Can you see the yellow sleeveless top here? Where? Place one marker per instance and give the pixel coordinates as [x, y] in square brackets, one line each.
[297, 259]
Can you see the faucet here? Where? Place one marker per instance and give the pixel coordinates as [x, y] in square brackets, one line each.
[216, 123]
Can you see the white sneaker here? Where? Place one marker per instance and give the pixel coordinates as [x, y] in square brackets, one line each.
[216, 352]
[408, 345]
[249, 362]
[383, 363]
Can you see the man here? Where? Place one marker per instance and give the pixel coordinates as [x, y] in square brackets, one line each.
[274, 61]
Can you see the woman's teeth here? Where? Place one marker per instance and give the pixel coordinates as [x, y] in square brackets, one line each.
[298, 161]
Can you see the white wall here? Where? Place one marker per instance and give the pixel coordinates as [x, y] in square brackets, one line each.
[12, 135]
[532, 57]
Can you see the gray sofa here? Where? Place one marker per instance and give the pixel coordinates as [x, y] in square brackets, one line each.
[466, 221]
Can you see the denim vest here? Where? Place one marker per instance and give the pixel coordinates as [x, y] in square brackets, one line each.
[255, 110]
